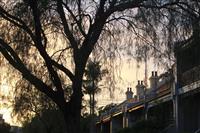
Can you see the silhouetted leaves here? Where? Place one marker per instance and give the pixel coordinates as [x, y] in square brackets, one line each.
[5, 128]
[48, 121]
[48, 41]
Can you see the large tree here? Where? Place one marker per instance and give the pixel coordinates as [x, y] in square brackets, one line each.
[55, 33]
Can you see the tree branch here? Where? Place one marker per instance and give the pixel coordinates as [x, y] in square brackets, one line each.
[38, 43]
[66, 27]
[78, 22]
[16, 21]
[189, 9]
[160, 6]
[16, 62]
[63, 69]
[124, 6]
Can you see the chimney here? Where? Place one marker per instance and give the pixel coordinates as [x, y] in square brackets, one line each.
[129, 93]
[156, 74]
[153, 80]
[141, 83]
[140, 90]
[137, 88]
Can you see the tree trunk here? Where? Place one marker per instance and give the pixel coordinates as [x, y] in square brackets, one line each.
[72, 122]
[92, 124]
[72, 110]
[90, 104]
[93, 103]
[72, 115]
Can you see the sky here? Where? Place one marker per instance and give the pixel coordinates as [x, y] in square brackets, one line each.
[5, 105]
[129, 73]
[6, 96]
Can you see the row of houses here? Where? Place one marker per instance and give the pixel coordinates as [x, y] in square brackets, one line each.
[176, 92]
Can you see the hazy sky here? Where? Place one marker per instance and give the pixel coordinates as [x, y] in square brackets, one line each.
[128, 72]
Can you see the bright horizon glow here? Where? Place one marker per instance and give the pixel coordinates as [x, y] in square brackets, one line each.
[128, 72]
[5, 105]
[130, 75]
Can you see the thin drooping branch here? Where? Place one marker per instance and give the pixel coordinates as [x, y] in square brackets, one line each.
[60, 50]
[112, 4]
[89, 19]
[124, 6]
[41, 48]
[63, 69]
[79, 3]
[166, 5]
[78, 22]
[67, 31]
[102, 15]
[94, 32]
[16, 21]
[16, 62]
[189, 9]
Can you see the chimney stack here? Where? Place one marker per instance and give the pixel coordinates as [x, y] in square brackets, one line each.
[156, 74]
[153, 80]
[140, 90]
[129, 93]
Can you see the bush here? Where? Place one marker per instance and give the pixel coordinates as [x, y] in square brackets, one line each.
[49, 121]
[4, 128]
[143, 126]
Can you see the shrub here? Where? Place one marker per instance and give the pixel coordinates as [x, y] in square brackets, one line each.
[143, 126]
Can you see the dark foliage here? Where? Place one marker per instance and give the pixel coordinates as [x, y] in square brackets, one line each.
[49, 121]
[144, 126]
[4, 128]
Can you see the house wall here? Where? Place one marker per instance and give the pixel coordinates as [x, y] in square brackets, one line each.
[117, 123]
[189, 113]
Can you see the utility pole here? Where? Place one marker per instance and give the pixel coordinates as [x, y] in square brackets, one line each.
[145, 63]
[92, 124]
[175, 96]
[176, 108]
[145, 84]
